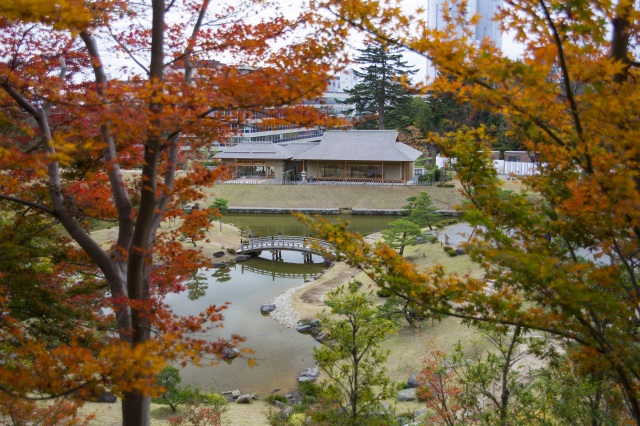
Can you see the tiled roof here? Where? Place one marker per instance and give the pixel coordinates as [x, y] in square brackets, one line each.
[336, 145]
[297, 148]
[255, 150]
[360, 145]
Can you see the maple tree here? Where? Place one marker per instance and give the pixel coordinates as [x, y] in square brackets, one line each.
[69, 133]
[562, 258]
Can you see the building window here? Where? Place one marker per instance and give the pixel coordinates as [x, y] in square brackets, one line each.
[248, 169]
[358, 171]
[513, 159]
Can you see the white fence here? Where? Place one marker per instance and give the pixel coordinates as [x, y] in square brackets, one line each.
[315, 182]
[502, 167]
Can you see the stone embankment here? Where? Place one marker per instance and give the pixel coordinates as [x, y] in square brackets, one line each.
[273, 210]
[331, 211]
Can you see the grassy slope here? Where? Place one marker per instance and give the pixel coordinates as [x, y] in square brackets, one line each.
[328, 196]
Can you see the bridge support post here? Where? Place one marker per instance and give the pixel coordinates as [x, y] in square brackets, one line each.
[276, 254]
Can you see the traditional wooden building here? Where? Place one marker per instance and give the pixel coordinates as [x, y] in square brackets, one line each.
[255, 160]
[356, 155]
[360, 155]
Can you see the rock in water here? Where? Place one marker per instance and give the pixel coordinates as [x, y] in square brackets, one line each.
[267, 308]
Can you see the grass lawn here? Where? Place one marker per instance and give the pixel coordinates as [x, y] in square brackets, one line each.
[410, 346]
[330, 196]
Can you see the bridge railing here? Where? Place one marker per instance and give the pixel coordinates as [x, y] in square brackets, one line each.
[286, 242]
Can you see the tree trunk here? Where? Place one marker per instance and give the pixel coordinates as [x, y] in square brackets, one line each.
[136, 409]
[381, 118]
[404, 236]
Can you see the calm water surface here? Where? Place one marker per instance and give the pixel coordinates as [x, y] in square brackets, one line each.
[281, 353]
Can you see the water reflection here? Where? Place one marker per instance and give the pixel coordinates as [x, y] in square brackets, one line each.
[222, 275]
[197, 286]
[280, 352]
[279, 269]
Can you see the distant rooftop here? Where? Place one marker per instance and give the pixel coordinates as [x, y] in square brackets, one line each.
[361, 145]
[335, 145]
[252, 150]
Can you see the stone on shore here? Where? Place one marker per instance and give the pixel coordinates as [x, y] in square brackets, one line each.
[244, 399]
[407, 395]
[267, 308]
[309, 375]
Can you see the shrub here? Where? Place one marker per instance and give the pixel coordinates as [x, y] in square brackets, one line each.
[384, 292]
[297, 419]
[199, 414]
[231, 250]
[450, 251]
[276, 418]
[271, 399]
[437, 174]
[309, 392]
[432, 239]
[169, 378]
[426, 178]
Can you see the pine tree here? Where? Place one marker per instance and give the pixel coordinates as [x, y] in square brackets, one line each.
[401, 233]
[380, 97]
[421, 211]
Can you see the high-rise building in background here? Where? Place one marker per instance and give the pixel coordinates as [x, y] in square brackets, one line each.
[486, 27]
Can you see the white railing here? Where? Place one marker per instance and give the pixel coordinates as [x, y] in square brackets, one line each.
[504, 168]
[282, 242]
[314, 182]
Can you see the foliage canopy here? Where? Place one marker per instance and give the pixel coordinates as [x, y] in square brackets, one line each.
[352, 357]
[381, 97]
[77, 145]
[564, 260]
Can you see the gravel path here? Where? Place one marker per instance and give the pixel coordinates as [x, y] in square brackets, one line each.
[284, 312]
[287, 315]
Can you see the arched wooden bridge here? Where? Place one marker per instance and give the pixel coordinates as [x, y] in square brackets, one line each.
[277, 243]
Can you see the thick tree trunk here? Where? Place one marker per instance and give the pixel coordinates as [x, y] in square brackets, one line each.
[136, 409]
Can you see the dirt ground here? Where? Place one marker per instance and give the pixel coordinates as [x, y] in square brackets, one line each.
[254, 414]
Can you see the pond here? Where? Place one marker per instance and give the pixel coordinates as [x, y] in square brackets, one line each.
[264, 225]
[280, 352]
